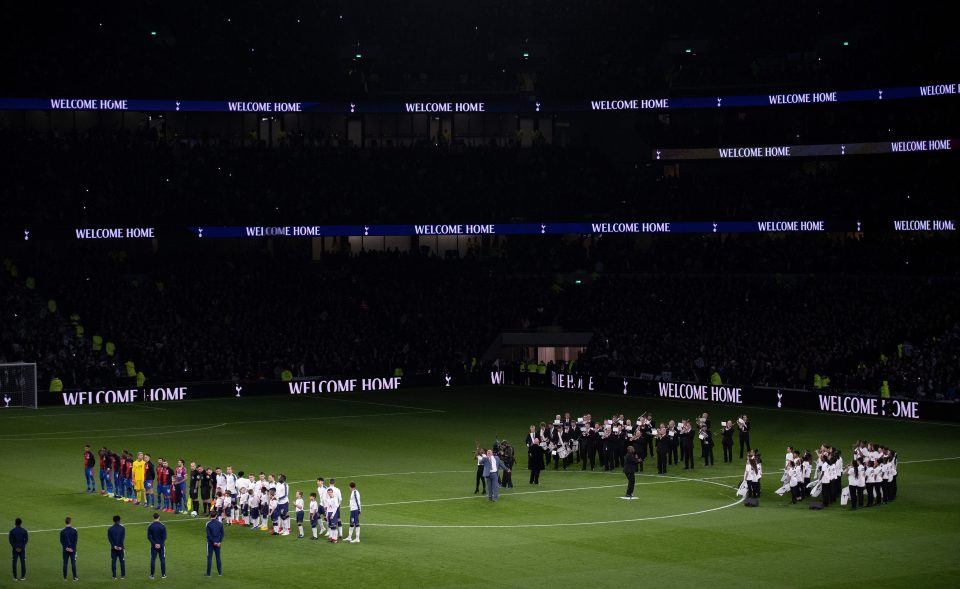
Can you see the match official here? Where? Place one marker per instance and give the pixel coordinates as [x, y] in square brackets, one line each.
[117, 536]
[157, 535]
[214, 539]
[18, 543]
[68, 540]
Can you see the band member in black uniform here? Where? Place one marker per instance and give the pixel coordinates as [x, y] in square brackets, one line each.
[641, 446]
[727, 441]
[535, 461]
[630, 464]
[479, 455]
[686, 444]
[652, 431]
[617, 445]
[554, 433]
[638, 444]
[706, 445]
[531, 436]
[576, 437]
[663, 447]
[744, 424]
[673, 457]
[588, 447]
[606, 444]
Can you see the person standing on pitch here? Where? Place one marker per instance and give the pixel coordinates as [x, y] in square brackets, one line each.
[68, 540]
[355, 508]
[744, 424]
[535, 461]
[727, 441]
[214, 539]
[117, 535]
[157, 535]
[18, 543]
[88, 463]
[630, 464]
[479, 454]
[491, 466]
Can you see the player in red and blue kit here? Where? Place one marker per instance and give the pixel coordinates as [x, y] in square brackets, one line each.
[149, 475]
[180, 479]
[163, 485]
[114, 461]
[88, 463]
[103, 470]
[120, 489]
[128, 478]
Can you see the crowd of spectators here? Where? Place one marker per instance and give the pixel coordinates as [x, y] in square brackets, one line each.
[209, 315]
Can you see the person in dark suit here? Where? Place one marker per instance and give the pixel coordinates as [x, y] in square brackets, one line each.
[630, 464]
[214, 540]
[686, 444]
[588, 446]
[744, 424]
[157, 535]
[18, 544]
[674, 438]
[68, 540]
[727, 441]
[531, 436]
[706, 445]
[535, 461]
[663, 446]
[117, 536]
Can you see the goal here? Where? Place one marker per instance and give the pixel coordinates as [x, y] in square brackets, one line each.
[18, 385]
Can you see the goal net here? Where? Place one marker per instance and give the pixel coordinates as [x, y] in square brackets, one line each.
[18, 385]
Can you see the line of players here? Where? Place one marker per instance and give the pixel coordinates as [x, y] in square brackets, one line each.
[235, 498]
[137, 479]
[872, 475]
[583, 439]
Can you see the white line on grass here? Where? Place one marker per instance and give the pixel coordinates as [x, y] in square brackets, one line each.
[598, 523]
[19, 437]
[139, 435]
[928, 460]
[709, 481]
[388, 474]
[125, 524]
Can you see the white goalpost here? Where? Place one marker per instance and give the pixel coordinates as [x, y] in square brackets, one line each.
[18, 385]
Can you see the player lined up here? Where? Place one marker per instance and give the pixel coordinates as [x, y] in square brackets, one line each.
[234, 499]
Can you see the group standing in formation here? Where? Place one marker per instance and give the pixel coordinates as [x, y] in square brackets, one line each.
[871, 475]
[225, 498]
[618, 443]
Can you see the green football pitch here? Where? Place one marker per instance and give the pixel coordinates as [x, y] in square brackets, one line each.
[411, 455]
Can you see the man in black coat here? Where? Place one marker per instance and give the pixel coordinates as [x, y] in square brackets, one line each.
[535, 461]
[117, 536]
[663, 446]
[686, 445]
[630, 463]
[744, 424]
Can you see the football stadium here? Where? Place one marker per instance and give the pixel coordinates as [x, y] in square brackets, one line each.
[397, 294]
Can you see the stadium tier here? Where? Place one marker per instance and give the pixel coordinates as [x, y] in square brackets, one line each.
[673, 286]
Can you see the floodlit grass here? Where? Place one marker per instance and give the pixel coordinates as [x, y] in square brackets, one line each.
[411, 454]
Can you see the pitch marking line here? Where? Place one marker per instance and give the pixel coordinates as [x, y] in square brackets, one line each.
[140, 435]
[20, 438]
[614, 521]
